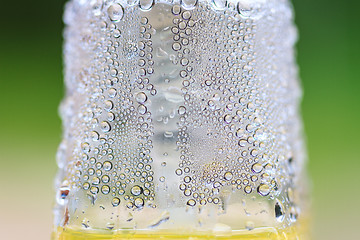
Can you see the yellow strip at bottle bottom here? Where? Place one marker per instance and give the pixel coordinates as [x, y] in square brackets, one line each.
[291, 233]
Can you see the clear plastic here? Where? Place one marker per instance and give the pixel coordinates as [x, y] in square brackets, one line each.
[179, 118]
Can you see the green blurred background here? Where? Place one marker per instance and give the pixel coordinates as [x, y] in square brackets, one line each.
[31, 87]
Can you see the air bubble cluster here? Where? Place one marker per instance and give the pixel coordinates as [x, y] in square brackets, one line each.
[218, 134]
[113, 124]
[198, 94]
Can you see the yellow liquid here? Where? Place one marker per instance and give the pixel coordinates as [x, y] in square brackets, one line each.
[291, 233]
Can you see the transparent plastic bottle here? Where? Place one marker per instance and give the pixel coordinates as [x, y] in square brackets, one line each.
[181, 121]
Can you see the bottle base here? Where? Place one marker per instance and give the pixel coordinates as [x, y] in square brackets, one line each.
[292, 233]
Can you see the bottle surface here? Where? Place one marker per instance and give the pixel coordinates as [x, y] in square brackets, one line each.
[180, 121]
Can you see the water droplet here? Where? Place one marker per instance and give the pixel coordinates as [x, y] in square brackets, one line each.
[142, 109]
[144, 20]
[186, 15]
[116, 33]
[184, 61]
[146, 4]
[216, 184]
[182, 110]
[94, 190]
[188, 4]
[91, 171]
[115, 202]
[105, 126]
[112, 92]
[105, 179]
[211, 104]
[248, 189]
[176, 9]
[141, 62]
[178, 171]
[187, 192]
[85, 147]
[176, 46]
[242, 142]
[95, 181]
[250, 127]
[174, 30]
[244, 9]
[115, 12]
[254, 152]
[191, 202]
[182, 187]
[108, 105]
[256, 168]
[264, 189]
[86, 186]
[139, 202]
[216, 200]
[62, 195]
[182, 25]
[141, 97]
[129, 205]
[96, 6]
[105, 189]
[279, 211]
[113, 72]
[187, 179]
[184, 74]
[94, 136]
[228, 176]
[240, 132]
[293, 214]
[110, 116]
[136, 190]
[228, 118]
[219, 4]
[107, 166]
[103, 24]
